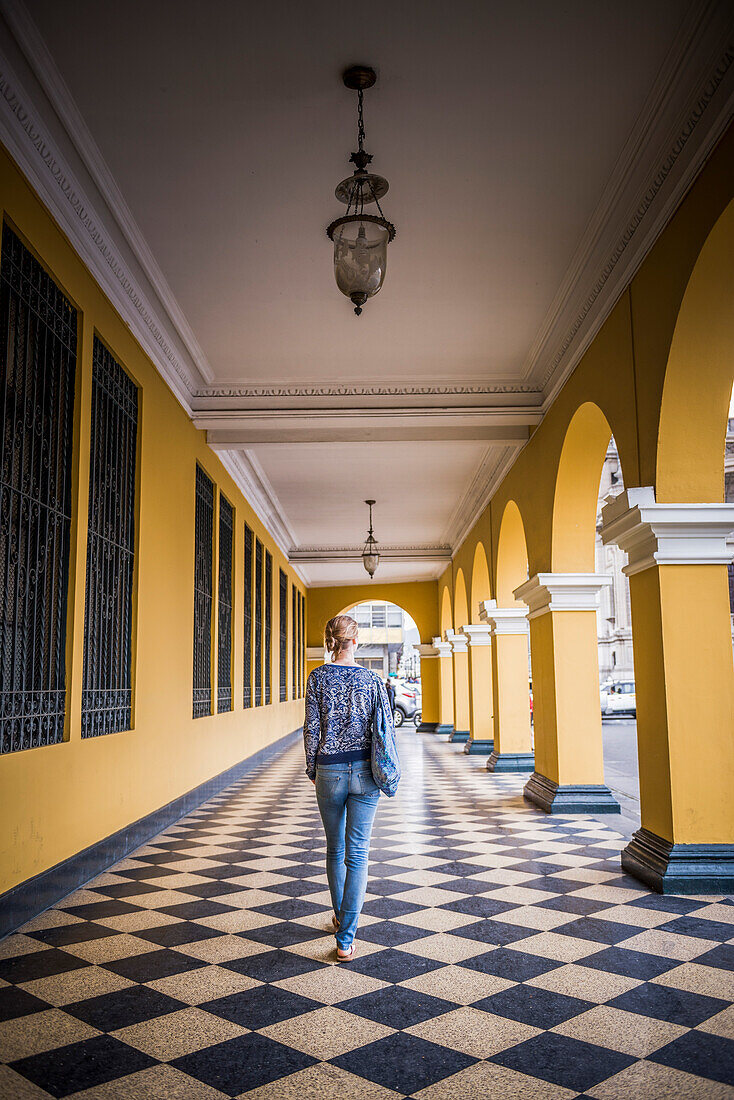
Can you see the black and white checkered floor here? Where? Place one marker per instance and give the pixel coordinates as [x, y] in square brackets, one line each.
[501, 954]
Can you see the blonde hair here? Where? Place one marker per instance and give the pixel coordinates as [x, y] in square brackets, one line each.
[338, 633]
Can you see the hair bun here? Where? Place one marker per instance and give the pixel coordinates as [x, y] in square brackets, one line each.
[338, 633]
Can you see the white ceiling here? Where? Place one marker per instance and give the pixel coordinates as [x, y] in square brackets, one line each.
[499, 126]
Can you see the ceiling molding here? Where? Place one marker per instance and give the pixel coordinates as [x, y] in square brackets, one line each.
[377, 389]
[685, 114]
[28, 140]
[47, 73]
[231, 428]
[312, 555]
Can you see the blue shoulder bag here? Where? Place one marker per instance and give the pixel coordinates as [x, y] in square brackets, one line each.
[385, 759]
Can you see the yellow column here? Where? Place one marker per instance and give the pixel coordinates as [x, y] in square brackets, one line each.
[685, 689]
[430, 688]
[569, 759]
[445, 687]
[461, 685]
[481, 727]
[513, 750]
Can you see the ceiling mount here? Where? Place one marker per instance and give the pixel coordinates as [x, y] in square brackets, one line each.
[359, 77]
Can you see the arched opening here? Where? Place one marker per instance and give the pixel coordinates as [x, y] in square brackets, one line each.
[480, 587]
[589, 476]
[512, 556]
[447, 618]
[461, 606]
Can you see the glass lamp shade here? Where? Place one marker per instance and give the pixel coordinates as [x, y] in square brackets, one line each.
[360, 258]
[370, 562]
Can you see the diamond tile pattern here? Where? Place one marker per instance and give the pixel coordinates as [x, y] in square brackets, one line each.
[501, 952]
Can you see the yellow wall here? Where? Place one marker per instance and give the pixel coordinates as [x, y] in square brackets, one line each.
[419, 599]
[57, 800]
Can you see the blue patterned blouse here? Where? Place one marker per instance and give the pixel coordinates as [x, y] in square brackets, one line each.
[340, 701]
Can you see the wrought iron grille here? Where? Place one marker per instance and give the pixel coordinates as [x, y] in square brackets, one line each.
[224, 606]
[108, 608]
[203, 576]
[38, 330]
[247, 672]
[294, 640]
[283, 637]
[300, 644]
[268, 627]
[258, 623]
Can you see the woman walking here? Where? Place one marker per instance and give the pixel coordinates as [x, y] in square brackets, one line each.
[344, 702]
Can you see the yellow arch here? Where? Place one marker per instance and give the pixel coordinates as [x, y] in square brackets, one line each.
[447, 618]
[461, 607]
[512, 556]
[577, 490]
[480, 586]
[418, 598]
[698, 377]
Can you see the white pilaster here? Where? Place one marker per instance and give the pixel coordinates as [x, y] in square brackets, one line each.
[477, 634]
[667, 534]
[442, 648]
[546, 592]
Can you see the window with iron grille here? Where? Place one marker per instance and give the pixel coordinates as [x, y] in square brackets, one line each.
[294, 640]
[224, 606]
[108, 607]
[268, 627]
[300, 644]
[38, 347]
[203, 576]
[247, 678]
[258, 623]
[283, 636]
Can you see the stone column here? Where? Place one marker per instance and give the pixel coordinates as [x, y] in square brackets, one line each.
[430, 669]
[685, 689]
[461, 685]
[481, 729]
[510, 688]
[445, 687]
[569, 759]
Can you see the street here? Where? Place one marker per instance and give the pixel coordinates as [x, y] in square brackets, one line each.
[620, 769]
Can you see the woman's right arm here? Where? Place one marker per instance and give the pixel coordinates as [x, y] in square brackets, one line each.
[311, 728]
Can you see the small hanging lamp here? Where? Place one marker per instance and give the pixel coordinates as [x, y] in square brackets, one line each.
[360, 240]
[370, 554]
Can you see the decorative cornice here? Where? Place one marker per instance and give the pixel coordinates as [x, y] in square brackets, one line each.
[477, 634]
[504, 620]
[546, 592]
[667, 534]
[28, 141]
[328, 390]
[260, 495]
[457, 641]
[493, 467]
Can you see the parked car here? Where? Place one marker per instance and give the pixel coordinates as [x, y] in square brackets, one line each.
[407, 702]
[619, 698]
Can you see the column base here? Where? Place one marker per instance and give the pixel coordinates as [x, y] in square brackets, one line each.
[427, 727]
[576, 798]
[511, 762]
[459, 735]
[444, 729]
[477, 747]
[679, 868]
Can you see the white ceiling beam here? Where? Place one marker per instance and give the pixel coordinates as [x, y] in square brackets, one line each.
[320, 555]
[231, 429]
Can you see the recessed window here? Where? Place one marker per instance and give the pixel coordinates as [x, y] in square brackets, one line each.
[283, 637]
[224, 606]
[203, 595]
[247, 671]
[108, 605]
[38, 326]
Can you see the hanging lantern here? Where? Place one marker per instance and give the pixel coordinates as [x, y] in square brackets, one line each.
[370, 554]
[360, 239]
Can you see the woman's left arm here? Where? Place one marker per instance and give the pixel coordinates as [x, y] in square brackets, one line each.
[311, 728]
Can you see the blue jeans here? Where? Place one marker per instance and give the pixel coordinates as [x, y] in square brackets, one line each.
[347, 796]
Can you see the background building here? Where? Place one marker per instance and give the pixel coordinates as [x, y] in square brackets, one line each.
[614, 616]
[387, 637]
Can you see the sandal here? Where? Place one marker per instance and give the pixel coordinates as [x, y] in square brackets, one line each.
[347, 956]
[335, 923]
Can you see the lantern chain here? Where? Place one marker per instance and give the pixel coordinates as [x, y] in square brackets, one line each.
[360, 120]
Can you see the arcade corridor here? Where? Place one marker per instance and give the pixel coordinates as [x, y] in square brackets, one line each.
[502, 953]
